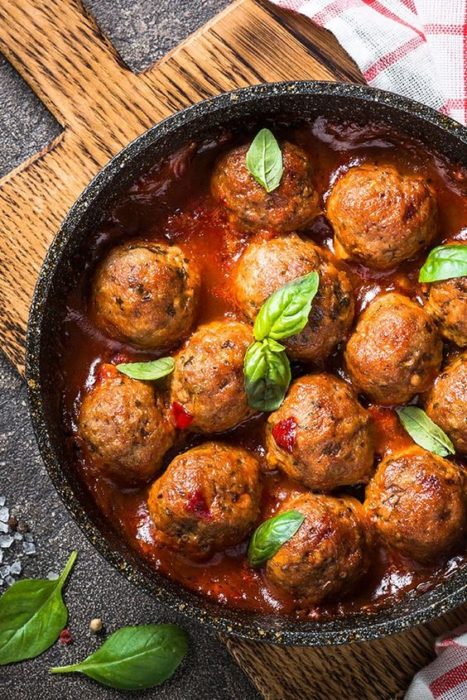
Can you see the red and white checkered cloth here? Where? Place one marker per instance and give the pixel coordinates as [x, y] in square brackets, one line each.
[417, 48]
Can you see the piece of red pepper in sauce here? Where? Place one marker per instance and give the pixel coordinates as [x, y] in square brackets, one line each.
[182, 418]
[285, 433]
[106, 371]
[197, 505]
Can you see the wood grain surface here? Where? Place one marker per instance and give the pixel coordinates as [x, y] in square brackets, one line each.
[61, 53]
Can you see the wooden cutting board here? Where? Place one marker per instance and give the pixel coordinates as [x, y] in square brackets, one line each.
[61, 53]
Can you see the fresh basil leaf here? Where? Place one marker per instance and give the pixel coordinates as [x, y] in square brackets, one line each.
[269, 537]
[424, 432]
[264, 160]
[444, 263]
[286, 311]
[148, 371]
[267, 375]
[134, 658]
[32, 615]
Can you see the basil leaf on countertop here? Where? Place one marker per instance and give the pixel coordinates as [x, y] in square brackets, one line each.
[267, 375]
[424, 432]
[444, 263]
[286, 311]
[148, 371]
[134, 658]
[264, 160]
[32, 615]
[269, 537]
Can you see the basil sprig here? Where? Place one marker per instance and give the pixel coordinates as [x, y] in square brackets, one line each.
[286, 312]
[267, 374]
[424, 431]
[264, 160]
[444, 263]
[134, 658]
[266, 366]
[148, 371]
[269, 537]
[32, 615]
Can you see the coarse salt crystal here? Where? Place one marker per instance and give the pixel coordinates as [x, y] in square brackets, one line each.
[4, 514]
[5, 571]
[9, 580]
[15, 568]
[4, 528]
[29, 548]
[2, 501]
[6, 541]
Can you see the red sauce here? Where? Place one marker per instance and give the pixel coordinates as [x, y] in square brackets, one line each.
[172, 203]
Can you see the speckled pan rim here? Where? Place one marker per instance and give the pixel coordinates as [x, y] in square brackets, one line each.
[279, 630]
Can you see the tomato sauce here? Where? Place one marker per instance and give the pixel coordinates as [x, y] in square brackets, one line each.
[172, 203]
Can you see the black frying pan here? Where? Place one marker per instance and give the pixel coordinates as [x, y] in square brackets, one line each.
[300, 100]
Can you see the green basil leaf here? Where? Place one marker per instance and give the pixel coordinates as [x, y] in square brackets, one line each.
[444, 263]
[264, 160]
[286, 312]
[134, 658]
[32, 615]
[424, 432]
[149, 371]
[269, 537]
[267, 375]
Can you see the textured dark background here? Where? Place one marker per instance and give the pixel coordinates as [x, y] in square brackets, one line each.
[142, 31]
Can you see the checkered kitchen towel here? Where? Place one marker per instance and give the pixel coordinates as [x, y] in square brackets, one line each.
[417, 48]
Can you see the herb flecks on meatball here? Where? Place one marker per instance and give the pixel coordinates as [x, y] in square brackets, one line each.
[208, 381]
[321, 436]
[417, 502]
[207, 499]
[447, 306]
[265, 266]
[289, 207]
[327, 555]
[380, 216]
[446, 403]
[125, 427]
[394, 351]
[146, 294]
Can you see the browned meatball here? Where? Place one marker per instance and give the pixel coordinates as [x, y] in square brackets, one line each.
[447, 306]
[394, 352]
[329, 552]
[289, 207]
[146, 294]
[265, 266]
[447, 402]
[208, 381]
[125, 427]
[381, 216]
[207, 499]
[418, 503]
[321, 436]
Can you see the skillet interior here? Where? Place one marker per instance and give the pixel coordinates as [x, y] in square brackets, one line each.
[301, 100]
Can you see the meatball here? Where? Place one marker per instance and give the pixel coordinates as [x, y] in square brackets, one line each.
[265, 266]
[447, 402]
[125, 427]
[208, 381]
[321, 436]
[329, 552]
[207, 499]
[394, 352]
[291, 206]
[381, 216]
[417, 502]
[447, 306]
[146, 294]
